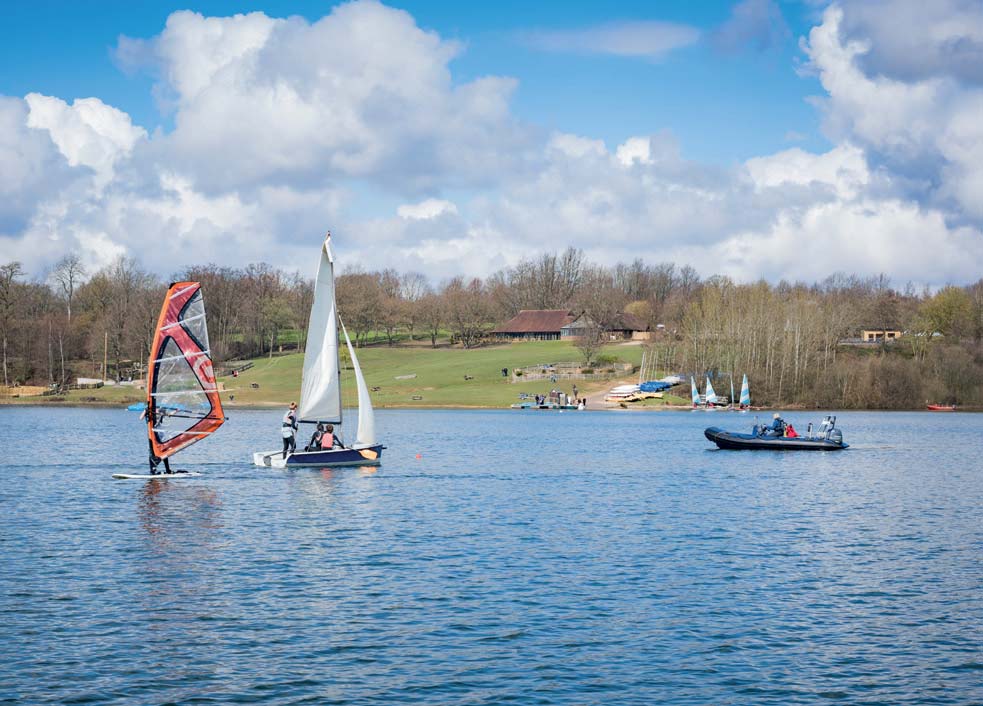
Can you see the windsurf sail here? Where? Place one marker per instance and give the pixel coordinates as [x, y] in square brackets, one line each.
[694, 393]
[183, 404]
[711, 395]
[320, 390]
[745, 393]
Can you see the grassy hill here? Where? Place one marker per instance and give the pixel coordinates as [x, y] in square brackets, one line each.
[439, 375]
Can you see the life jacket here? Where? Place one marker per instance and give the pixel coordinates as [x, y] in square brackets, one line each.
[790, 431]
[327, 440]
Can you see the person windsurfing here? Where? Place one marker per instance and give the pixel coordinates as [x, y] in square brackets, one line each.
[154, 459]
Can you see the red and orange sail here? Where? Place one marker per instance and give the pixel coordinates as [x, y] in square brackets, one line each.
[182, 396]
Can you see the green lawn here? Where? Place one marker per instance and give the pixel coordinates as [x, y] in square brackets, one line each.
[440, 375]
[439, 382]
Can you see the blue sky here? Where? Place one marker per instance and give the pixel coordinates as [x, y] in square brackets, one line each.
[721, 106]
[751, 138]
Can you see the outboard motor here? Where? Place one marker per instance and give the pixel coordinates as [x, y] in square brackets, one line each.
[836, 436]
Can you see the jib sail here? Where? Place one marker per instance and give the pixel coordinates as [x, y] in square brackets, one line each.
[182, 396]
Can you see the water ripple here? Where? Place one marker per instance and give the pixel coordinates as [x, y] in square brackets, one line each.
[524, 558]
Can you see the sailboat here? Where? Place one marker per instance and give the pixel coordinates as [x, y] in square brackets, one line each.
[745, 402]
[320, 391]
[694, 393]
[711, 395]
[183, 405]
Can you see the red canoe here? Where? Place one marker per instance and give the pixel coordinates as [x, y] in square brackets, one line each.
[942, 407]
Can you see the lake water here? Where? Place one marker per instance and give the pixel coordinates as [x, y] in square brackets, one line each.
[496, 557]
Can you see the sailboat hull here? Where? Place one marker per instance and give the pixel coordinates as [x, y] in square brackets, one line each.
[366, 456]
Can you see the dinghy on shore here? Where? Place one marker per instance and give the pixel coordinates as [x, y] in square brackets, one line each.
[827, 438]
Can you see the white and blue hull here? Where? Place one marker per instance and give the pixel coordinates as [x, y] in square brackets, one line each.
[328, 458]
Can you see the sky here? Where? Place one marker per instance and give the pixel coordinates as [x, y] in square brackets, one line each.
[755, 139]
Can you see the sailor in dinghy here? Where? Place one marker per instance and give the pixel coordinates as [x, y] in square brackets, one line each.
[320, 393]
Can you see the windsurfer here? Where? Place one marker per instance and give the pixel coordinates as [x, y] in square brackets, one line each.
[288, 428]
[154, 459]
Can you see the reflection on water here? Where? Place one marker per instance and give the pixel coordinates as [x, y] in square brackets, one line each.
[495, 557]
[174, 513]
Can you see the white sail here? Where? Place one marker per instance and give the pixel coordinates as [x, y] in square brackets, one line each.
[320, 390]
[693, 392]
[711, 395]
[366, 416]
[745, 393]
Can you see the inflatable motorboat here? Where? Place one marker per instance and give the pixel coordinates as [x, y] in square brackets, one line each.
[826, 438]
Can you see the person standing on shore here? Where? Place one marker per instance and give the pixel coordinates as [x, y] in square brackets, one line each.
[288, 428]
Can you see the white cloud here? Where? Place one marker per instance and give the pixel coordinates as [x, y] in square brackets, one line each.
[275, 121]
[635, 149]
[361, 93]
[843, 168]
[648, 39]
[911, 40]
[425, 210]
[928, 132]
[88, 132]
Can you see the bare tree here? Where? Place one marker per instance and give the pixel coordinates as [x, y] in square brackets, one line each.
[432, 315]
[590, 339]
[69, 274]
[9, 274]
[468, 310]
[413, 287]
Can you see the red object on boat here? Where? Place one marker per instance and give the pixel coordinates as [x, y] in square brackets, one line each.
[942, 407]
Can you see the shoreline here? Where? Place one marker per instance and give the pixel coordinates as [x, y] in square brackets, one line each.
[605, 407]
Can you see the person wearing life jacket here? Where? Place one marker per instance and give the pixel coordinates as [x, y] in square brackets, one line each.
[328, 439]
[777, 426]
[790, 431]
[287, 429]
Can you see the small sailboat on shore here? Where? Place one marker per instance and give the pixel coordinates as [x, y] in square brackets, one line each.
[711, 396]
[745, 401]
[693, 392]
[320, 393]
[183, 404]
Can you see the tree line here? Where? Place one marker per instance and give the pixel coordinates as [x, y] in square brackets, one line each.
[788, 337]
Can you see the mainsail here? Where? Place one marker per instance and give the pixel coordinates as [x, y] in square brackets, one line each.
[320, 391]
[745, 393]
[694, 393]
[183, 404]
[711, 395]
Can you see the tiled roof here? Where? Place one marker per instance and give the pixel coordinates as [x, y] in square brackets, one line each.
[536, 321]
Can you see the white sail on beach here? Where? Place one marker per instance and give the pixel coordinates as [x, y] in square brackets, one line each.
[711, 395]
[745, 393]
